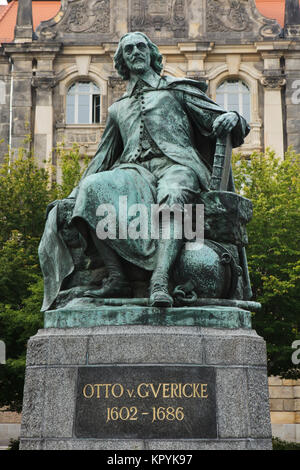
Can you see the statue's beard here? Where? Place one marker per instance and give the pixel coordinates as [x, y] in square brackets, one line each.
[139, 66]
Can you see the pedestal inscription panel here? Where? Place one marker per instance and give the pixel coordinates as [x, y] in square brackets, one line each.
[146, 402]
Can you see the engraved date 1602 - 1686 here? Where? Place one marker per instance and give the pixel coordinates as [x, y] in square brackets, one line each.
[132, 413]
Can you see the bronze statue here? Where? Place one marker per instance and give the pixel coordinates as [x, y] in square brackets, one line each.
[158, 147]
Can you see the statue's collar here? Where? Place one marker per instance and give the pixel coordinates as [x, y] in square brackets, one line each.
[149, 77]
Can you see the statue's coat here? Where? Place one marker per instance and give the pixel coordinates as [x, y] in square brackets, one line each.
[179, 117]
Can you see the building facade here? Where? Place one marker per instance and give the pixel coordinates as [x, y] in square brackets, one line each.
[57, 81]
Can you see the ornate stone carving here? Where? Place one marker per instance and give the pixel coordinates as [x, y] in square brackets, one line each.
[227, 15]
[118, 87]
[43, 83]
[269, 30]
[117, 84]
[292, 30]
[273, 81]
[200, 75]
[85, 138]
[239, 16]
[88, 17]
[60, 120]
[158, 14]
[78, 17]
[48, 34]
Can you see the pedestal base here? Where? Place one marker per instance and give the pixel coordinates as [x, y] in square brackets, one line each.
[146, 387]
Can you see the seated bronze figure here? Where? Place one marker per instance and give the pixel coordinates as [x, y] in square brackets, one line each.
[164, 144]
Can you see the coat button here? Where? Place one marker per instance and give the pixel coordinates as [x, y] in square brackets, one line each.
[146, 145]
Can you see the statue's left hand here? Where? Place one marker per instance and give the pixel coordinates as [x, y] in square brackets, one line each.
[224, 124]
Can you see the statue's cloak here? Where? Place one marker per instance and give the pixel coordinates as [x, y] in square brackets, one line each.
[185, 137]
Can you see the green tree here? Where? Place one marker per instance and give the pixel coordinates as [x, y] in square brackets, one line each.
[25, 191]
[273, 186]
[72, 164]
[273, 253]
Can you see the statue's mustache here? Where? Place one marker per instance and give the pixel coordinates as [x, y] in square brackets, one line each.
[138, 58]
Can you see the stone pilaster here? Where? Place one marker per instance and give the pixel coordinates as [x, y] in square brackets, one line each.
[195, 56]
[43, 83]
[292, 98]
[273, 81]
[195, 65]
[43, 120]
[5, 85]
[21, 97]
[273, 114]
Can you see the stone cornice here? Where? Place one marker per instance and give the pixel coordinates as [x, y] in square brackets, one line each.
[33, 48]
[268, 46]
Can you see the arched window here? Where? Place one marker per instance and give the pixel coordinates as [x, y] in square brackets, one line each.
[234, 95]
[83, 103]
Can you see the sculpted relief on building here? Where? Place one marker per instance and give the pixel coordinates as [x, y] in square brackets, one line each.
[85, 18]
[159, 15]
[77, 18]
[192, 35]
[162, 17]
[239, 16]
[94, 21]
[108, 19]
[227, 16]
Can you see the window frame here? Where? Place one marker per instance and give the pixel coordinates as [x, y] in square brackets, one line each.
[91, 93]
[241, 93]
[252, 78]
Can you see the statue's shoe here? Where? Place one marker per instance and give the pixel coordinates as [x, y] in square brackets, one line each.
[161, 299]
[159, 294]
[111, 288]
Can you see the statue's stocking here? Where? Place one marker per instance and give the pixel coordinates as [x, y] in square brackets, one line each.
[167, 253]
[116, 284]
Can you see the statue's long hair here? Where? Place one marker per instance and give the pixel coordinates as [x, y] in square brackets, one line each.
[156, 57]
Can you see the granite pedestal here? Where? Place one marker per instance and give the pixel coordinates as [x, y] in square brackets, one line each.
[158, 385]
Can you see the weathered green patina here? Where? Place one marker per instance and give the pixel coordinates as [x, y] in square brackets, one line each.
[158, 147]
[75, 316]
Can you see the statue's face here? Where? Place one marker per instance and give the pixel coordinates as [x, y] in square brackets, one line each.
[136, 53]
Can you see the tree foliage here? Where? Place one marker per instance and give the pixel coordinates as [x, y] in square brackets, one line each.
[25, 191]
[273, 186]
[72, 165]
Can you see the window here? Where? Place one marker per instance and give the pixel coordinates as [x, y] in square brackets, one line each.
[234, 95]
[83, 103]
[2, 92]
